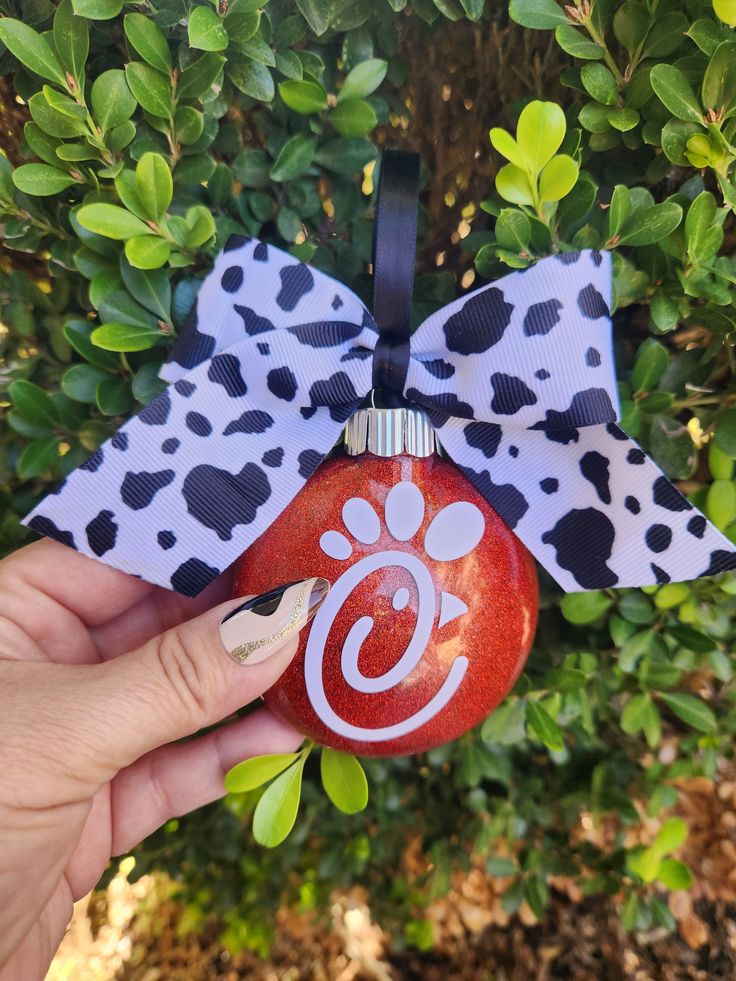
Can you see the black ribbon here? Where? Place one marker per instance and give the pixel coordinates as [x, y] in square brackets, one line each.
[394, 253]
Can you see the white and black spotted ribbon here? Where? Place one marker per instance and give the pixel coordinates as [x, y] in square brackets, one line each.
[518, 377]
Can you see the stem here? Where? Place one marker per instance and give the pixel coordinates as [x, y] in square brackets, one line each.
[607, 56]
[39, 223]
[708, 400]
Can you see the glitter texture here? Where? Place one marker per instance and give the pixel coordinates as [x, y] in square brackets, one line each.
[496, 580]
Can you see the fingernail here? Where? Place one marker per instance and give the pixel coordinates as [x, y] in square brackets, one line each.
[257, 628]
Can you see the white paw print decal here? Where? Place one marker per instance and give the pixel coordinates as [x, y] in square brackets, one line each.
[452, 534]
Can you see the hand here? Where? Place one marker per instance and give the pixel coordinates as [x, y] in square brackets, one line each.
[99, 671]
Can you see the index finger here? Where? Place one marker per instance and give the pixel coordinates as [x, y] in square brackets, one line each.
[92, 591]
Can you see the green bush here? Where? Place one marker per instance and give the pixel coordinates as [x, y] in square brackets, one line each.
[151, 135]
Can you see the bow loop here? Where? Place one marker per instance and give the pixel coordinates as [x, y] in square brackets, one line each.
[532, 351]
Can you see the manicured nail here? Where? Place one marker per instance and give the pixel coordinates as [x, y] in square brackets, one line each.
[257, 628]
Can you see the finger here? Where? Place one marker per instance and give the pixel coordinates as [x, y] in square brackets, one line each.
[92, 591]
[156, 612]
[106, 716]
[177, 779]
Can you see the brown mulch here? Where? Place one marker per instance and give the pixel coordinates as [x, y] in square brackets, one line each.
[136, 932]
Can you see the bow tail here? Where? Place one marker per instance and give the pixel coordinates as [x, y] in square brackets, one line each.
[183, 488]
[588, 503]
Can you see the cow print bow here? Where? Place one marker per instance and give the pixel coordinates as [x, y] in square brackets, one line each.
[518, 378]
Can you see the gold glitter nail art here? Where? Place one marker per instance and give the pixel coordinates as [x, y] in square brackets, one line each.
[244, 651]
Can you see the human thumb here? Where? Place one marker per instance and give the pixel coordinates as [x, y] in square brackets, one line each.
[189, 677]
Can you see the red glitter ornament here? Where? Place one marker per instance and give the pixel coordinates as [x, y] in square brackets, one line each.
[433, 603]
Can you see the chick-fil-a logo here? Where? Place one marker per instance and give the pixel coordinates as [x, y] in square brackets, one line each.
[452, 534]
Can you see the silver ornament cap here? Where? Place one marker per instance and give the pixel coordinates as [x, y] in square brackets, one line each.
[389, 432]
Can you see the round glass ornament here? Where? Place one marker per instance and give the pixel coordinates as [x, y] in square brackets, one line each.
[433, 604]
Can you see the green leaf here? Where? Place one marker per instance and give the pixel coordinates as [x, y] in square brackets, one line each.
[707, 34]
[120, 306]
[241, 27]
[720, 503]
[154, 184]
[630, 25]
[197, 80]
[81, 380]
[115, 397]
[671, 835]
[634, 649]
[206, 30]
[317, 14]
[147, 384]
[565, 680]
[151, 89]
[666, 35]
[275, 812]
[703, 230]
[294, 159]
[690, 709]
[111, 221]
[125, 337]
[651, 363]
[636, 713]
[513, 185]
[304, 97]
[344, 781]
[78, 332]
[719, 81]
[541, 15]
[674, 90]
[600, 83]
[127, 188]
[345, 156]
[66, 106]
[672, 447]
[507, 146]
[558, 178]
[112, 100]
[506, 724]
[576, 43]
[513, 230]
[363, 79]
[623, 119]
[33, 403]
[543, 727]
[726, 11]
[674, 875]
[201, 226]
[619, 209]
[252, 78]
[539, 133]
[71, 39]
[41, 180]
[147, 40]
[594, 117]
[98, 9]
[726, 432]
[38, 456]
[498, 865]
[41, 144]
[121, 136]
[536, 895]
[643, 862]
[188, 125]
[647, 226]
[353, 118]
[147, 251]
[582, 608]
[151, 288]
[31, 49]
[256, 771]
